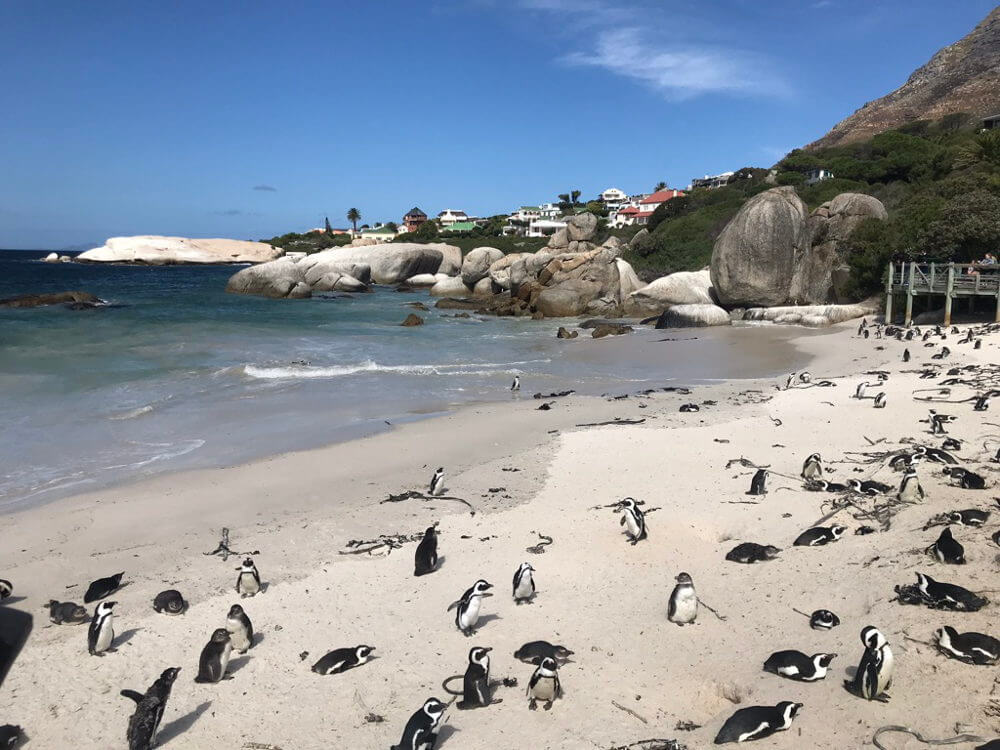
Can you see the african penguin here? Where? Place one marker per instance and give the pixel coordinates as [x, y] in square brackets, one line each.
[982, 403]
[102, 587]
[248, 580]
[516, 385]
[751, 552]
[142, 725]
[425, 559]
[817, 485]
[967, 480]
[544, 684]
[214, 660]
[947, 549]
[421, 730]
[6, 589]
[534, 651]
[467, 612]
[868, 486]
[240, 629]
[969, 517]
[978, 344]
[633, 519]
[910, 490]
[819, 535]
[813, 467]
[948, 595]
[859, 392]
[757, 722]
[524, 583]
[973, 648]
[805, 376]
[437, 482]
[874, 674]
[683, 605]
[170, 602]
[879, 402]
[758, 485]
[476, 682]
[342, 659]
[797, 666]
[67, 613]
[101, 632]
[823, 619]
[10, 735]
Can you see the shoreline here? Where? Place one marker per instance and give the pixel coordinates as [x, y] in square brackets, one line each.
[526, 473]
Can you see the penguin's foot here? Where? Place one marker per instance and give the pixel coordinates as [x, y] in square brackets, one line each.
[548, 706]
[96, 653]
[227, 677]
[884, 698]
[533, 704]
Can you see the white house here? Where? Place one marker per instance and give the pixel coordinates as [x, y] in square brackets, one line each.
[451, 216]
[544, 227]
[613, 199]
[712, 181]
[550, 211]
[818, 175]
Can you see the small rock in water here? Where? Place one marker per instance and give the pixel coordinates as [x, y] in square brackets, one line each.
[412, 320]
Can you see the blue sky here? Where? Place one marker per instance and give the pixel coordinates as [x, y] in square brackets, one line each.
[250, 118]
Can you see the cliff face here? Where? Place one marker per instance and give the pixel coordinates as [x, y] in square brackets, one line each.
[962, 77]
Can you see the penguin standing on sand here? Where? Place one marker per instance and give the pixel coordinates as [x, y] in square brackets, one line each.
[516, 385]
[437, 482]
[972, 648]
[142, 725]
[341, 659]
[544, 684]
[101, 633]
[240, 629]
[757, 722]
[880, 400]
[467, 614]
[476, 682]
[214, 659]
[859, 392]
[425, 559]
[6, 589]
[421, 730]
[874, 673]
[947, 549]
[633, 519]
[248, 581]
[524, 583]
[10, 735]
[906, 355]
[910, 490]
[797, 666]
[102, 588]
[813, 467]
[683, 605]
[758, 485]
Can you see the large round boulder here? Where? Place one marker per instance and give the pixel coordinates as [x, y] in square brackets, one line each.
[451, 258]
[390, 263]
[681, 288]
[476, 264]
[628, 280]
[569, 298]
[453, 286]
[499, 271]
[754, 260]
[692, 316]
[581, 227]
[277, 279]
[825, 273]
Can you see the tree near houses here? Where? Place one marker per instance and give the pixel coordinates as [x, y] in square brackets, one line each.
[354, 216]
[329, 229]
[660, 186]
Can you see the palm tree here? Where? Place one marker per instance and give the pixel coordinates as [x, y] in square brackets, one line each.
[563, 197]
[574, 196]
[354, 216]
[660, 186]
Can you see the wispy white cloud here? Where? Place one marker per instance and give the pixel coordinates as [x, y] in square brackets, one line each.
[678, 70]
[820, 4]
[266, 188]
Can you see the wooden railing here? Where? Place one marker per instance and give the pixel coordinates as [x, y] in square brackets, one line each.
[949, 280]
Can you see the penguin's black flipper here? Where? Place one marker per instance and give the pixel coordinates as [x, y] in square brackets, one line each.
[137, 697]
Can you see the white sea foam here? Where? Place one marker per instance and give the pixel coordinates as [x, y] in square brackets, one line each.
[132, 413]
[336, 371]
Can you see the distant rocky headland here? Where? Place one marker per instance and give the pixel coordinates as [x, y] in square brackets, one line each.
[161, 251]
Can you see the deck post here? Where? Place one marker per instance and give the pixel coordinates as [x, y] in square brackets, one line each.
[888, 298]
[947, 295]
[908, 317]
[996, 318]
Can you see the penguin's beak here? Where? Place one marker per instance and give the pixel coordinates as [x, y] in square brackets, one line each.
[486, 649]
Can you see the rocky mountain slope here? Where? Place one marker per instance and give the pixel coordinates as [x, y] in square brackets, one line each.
[962, 77]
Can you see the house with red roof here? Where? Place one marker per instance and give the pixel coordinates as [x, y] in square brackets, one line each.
[638, 212]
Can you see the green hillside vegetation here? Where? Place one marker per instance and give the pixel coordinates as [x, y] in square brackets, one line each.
[311, 242]
[940, 183]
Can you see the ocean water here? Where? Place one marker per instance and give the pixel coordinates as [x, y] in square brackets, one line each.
[174, 373]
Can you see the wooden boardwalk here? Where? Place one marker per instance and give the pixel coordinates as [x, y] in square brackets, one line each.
[948, 280]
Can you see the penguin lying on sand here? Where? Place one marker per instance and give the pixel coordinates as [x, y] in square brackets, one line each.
[751, 552]
[972, 648]
[67, 613]
[967, 480]
[948, 595]
[947, 549]
[823, 619]
[102, 588]
[170, 602]
[797, 666]
[819, 535]
[969, 517]
[342, 659]
[757, 722]
[534, 651]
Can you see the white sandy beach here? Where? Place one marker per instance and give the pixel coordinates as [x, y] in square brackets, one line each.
[604, 599]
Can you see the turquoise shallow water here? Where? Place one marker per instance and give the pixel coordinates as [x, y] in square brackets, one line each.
[177, 374]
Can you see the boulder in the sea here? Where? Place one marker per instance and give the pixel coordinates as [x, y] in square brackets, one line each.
[390, 263]
[155, 250]
[451, 258]
[300, 291]
[483, 287]
[425, 279]
[681, 288]
[754, 260]
[51, 258]
[606, 329]
[453, 286]
[55, 298]
[476, 264]
[563, 333]
[500, 270]
[692, 316]
[412, 320]
[275, 279]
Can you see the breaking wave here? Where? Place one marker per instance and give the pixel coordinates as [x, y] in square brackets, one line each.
[335, 371]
